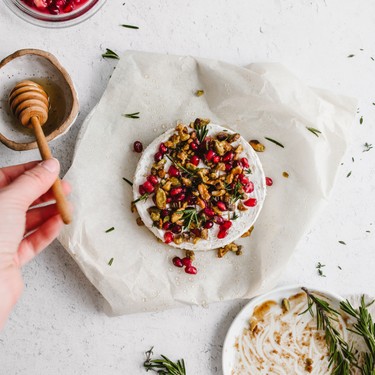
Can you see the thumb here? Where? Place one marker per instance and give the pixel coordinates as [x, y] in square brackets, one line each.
[35, 182]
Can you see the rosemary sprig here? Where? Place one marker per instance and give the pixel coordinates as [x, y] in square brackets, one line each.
[341, 357]
[275, 142]
[367, 147]
[141, 198]
[364, 327]
[164, 366]
[180, 167]
[128, 181]
[316, 132]
[190, 216]
[130, 26]
[131, 115]
[235, 192]
[319, 267]
[202, 132]
[109, 54]
[110, 229]
[248, 171]
[110, 262]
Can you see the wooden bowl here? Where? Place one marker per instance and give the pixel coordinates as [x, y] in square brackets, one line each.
[43, 68]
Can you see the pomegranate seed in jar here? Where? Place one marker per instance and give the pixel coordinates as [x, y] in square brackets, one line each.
[194, 160]
[269, 181]
[249, 188]
[173, 171]
[158, 156]
[168, 237]
[149, 188]
[177, 262]
[191, 270]
[222, 234]
[221, 206]
[186, 262]
[152, 179]
[226, 225]
[163, 148]
[244, 163]
[252, 202]
[208, 224]
[138, 146]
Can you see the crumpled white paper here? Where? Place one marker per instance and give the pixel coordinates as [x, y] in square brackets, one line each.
[261, 100]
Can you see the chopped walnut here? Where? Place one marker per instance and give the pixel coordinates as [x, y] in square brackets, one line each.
[257, 146]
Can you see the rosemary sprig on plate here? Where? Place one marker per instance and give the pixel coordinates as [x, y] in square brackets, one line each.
[364, 326]
[109, 54]
[128, 181]
[131, 115]
[164, 366]
[141, 198]
[341, 356]
[316, 132]
[190, 216]
[275, 142]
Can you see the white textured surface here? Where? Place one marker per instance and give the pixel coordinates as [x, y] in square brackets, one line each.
[57, 327]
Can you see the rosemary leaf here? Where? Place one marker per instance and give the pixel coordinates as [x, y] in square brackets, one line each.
[367, 147]
[361, 120]
[141, 198]
[316, 132]
[164, 366]
[131, 115]
[275, 142]
[351, 56]
[109, 54]
[348, 175]
[130, 26]
[342, 242]
[110, 229]
[110, 262]
[128, 181]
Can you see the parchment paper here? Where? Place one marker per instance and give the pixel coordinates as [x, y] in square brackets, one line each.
[262, 100]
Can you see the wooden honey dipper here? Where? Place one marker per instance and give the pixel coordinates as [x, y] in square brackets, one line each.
[30, 104]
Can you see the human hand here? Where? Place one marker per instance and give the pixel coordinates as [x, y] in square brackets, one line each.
[24, 230]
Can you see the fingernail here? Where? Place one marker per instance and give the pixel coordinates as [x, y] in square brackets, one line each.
[52, 165]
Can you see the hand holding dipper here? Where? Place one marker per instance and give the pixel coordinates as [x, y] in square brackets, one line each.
[30, 104]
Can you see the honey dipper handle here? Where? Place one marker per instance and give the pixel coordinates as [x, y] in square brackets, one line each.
[45, 152]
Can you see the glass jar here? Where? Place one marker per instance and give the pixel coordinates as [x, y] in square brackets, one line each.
[46, 19]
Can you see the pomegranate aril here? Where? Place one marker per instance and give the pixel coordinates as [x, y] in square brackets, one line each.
[210, 154]
[219, 220]
[194, 160]
[158, 156]
[142, 190]
[68, 8]
[216, 159]
[137, 146]
[176, 228]
[196, 232]
[163, 148]
[164, 213]
[173, 171]
[177, 262]
[221, 206]
[149, 188]
[169, 199]
[252, 202]
[228, 156]
[222, 234]
[180, 197]
[152, 179]
[226, 225]
[175, 191]
[208, 224]
[209, 212]
[168, 237]
[167, 225]
[228, 167]
[186, 261]
[194, 146]
[249, 188]
[243, 179]
[192, 200]
[191, 270]
[269, 181]
[244, 163]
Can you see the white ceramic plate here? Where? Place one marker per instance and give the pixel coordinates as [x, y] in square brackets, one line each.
[242, 319]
